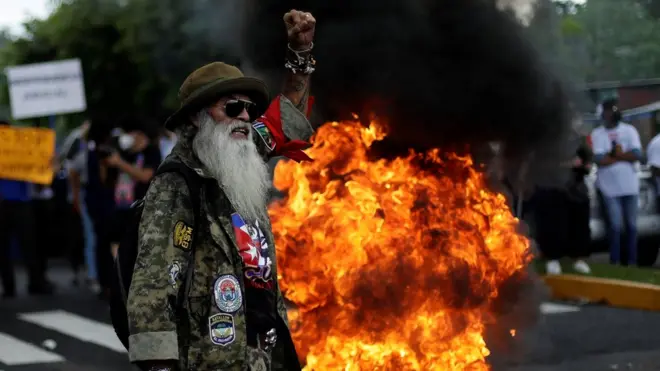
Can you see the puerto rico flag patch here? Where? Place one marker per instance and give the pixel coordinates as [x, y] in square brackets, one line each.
[253, 249]
[264, 134]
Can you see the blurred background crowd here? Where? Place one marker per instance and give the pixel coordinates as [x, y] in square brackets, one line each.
[100, 170]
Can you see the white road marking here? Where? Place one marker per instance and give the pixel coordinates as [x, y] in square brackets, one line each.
[15, 352]
[552, 308]
[77, 327]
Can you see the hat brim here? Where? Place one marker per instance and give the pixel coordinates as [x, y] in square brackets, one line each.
[254, 88]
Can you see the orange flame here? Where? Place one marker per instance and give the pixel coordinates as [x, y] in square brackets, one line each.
[391, 265]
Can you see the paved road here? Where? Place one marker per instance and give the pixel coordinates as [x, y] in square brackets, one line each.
[594, 338]
[568, 338]
[78, 326]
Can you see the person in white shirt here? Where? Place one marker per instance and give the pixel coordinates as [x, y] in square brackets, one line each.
[166, 143]
[653, 159]
[617, 147]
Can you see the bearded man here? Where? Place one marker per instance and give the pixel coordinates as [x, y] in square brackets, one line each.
[235, 317]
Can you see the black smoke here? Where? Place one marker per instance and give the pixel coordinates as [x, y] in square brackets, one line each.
[454, 74]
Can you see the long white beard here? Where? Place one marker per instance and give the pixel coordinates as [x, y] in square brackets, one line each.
[235, 164]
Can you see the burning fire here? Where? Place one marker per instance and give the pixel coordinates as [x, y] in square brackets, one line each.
[391, 265]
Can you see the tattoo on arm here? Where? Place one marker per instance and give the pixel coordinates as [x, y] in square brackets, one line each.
[296, 89]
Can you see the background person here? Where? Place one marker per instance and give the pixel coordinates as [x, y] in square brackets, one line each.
[99, 197]
[653, 160]
[130, 168]
[167, 141]
[77, 176]
[562, 213]
[617, 147]
[17, 219]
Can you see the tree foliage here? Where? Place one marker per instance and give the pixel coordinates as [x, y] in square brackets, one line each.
[618, 38]
[653, 7]
[134, 53]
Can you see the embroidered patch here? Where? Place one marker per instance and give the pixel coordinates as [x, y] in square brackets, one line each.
[264, 134]
[253, 248]
[182, 235]
[174, 270]
[227, 293]
[221, 329]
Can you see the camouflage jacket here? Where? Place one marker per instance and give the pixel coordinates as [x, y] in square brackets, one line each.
[166, 225]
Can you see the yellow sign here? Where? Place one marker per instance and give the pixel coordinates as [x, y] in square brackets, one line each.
[182, 235]
[27, 154]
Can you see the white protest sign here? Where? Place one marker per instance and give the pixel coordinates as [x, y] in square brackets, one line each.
[45, 89]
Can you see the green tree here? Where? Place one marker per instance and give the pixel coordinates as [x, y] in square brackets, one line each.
[85, 30]
[619, 37]
[653, 7]
[167, 39]
[134, 53]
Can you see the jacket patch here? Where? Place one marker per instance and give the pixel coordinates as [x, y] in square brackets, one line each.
[174, 271]
[265, 135]
[227, 293]
[182, 235]
[221, 329]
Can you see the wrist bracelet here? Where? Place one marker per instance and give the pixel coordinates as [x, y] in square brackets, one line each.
[300, 61]
[311, 46]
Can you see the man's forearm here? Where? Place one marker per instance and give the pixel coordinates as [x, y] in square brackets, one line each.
[300, 65]
[74, 182]
[140, 175]
[296, 89]
[631, 156]
[605, 160]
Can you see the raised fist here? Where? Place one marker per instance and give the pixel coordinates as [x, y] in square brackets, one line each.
[300, 27]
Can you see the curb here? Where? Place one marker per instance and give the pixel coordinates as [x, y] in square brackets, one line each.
[616, 293]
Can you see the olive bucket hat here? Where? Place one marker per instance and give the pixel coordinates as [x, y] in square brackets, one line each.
[211, 82]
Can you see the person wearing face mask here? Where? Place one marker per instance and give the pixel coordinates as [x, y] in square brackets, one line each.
[129, 171]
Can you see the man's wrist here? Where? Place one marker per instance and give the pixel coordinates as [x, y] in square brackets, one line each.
[301, 47]
[299, 60]
[123, 165]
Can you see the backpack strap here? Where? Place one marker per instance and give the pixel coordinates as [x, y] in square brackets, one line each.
[194, 183]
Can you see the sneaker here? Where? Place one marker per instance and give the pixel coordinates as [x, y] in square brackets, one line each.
[581, 266]
[552, 267]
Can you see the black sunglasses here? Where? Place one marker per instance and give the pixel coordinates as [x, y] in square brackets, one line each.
[234, 107]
